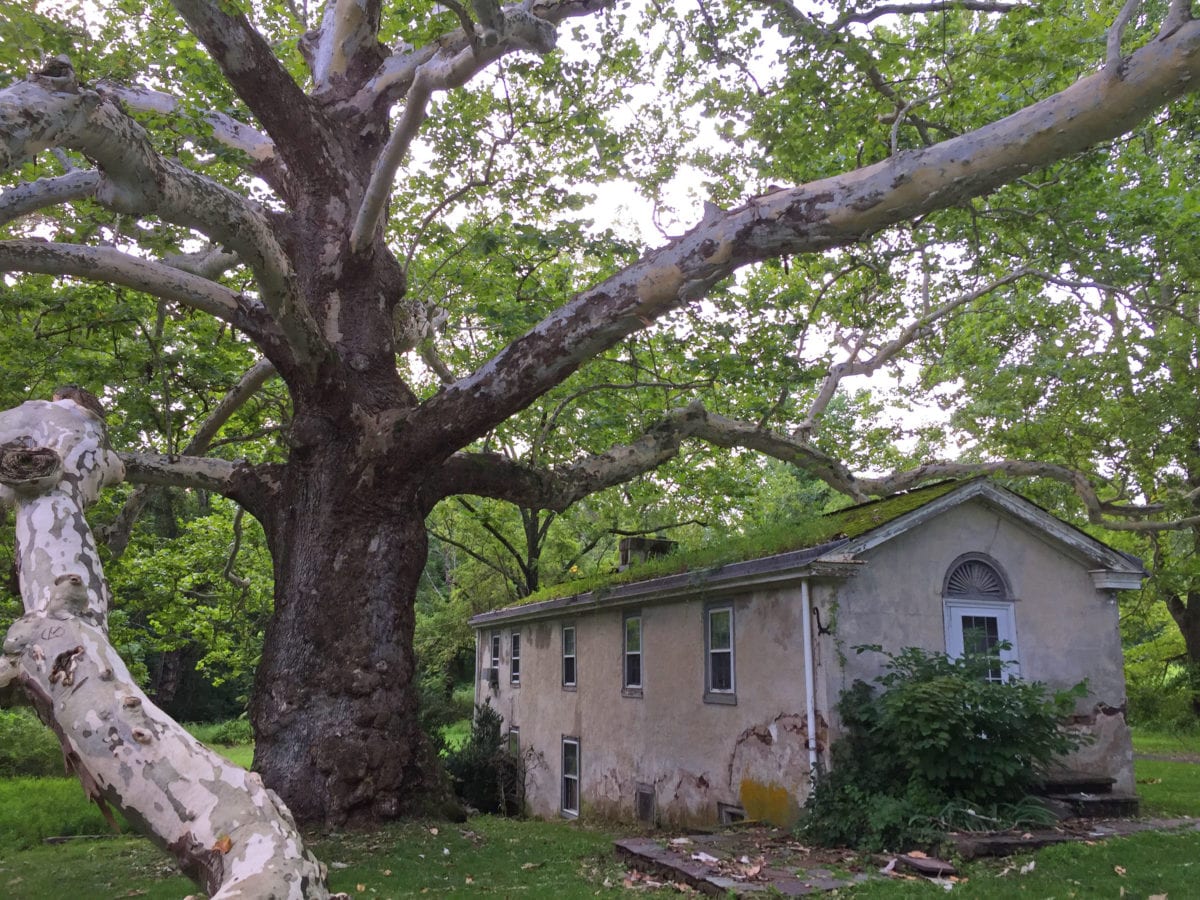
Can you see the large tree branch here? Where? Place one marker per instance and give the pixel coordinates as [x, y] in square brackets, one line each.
[22, 199]
[396, 74]
[300, 135]
[828, 213]
[45, 111]
[108, 264]
[495, 476]
[347, 33]
[867, 16]
[226, 130]
[229, 833]
[201, 472]
[117, 534]
[446, 69]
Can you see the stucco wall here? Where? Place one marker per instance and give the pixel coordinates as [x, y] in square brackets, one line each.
[1066, 629]
[694, 754]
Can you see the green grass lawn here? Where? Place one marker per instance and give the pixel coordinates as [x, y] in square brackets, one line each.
[502, 857]
[487, 856]
[1135, 868]
[1146, 740]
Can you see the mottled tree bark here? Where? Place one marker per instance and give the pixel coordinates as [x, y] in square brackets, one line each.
[230, 834]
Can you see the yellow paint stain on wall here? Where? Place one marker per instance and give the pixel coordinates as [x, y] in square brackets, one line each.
[768, 802]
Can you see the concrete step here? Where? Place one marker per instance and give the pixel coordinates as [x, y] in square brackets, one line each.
[1075, 783]
[1099, 806]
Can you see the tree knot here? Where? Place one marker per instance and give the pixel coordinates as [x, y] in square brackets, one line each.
[28, 469]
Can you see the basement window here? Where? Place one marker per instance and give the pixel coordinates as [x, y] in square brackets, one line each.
[570, 776]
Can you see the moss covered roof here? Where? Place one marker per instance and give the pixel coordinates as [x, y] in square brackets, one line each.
[787, 537]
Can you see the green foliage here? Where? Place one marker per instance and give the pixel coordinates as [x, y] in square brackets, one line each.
[228, 733]
[27, 747]
[936, 736]
[487, 774]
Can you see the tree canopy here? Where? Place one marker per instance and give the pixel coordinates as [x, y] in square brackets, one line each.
[356, 261]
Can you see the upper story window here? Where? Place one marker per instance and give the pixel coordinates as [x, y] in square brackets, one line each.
[979, 613]
[632, 676]
[719, 678]
[495, 663]
[515, 658]
[568, 656]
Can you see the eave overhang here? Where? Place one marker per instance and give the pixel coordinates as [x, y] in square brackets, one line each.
[768, 573]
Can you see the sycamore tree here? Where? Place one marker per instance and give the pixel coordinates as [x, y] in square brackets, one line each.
[387, 209]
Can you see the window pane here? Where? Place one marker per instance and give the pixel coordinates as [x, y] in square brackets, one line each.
[633, 670]
[570, 758]
[570, 798]
[569, 641]
[568, 670]
[719, 621]
[721, 674]
[980, 633]
[633, 635]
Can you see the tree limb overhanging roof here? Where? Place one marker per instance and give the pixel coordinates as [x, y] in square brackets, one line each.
[827, 547]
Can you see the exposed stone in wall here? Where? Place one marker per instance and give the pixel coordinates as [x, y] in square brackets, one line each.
[1108, 750]
[769, 770]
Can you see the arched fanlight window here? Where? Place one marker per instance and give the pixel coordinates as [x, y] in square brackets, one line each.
[975, 578]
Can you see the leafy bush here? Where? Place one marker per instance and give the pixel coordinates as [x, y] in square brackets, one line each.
[937, 735]
[1167, 699]
[27, 747]
[486, 773]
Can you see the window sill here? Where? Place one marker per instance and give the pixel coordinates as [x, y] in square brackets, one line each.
[569, 687]
[720, 698]
[631, 692]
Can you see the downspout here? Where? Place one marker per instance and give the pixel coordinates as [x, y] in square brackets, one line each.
[478, 672]
[810, 687]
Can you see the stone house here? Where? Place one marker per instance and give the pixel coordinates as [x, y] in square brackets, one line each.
[710, 695]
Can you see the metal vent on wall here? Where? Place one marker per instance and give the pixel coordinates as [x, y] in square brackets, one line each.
[975, 578]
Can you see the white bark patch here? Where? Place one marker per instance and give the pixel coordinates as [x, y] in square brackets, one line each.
[333, 330]
[231, 835]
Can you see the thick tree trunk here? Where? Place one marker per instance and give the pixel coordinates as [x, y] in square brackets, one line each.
[335, 704]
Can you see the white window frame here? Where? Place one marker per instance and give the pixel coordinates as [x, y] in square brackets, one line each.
[573, 656]
[712, 694]
[495, 650]
[514, 657]
[1006, 628]
[628, 687]
[571, 778]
